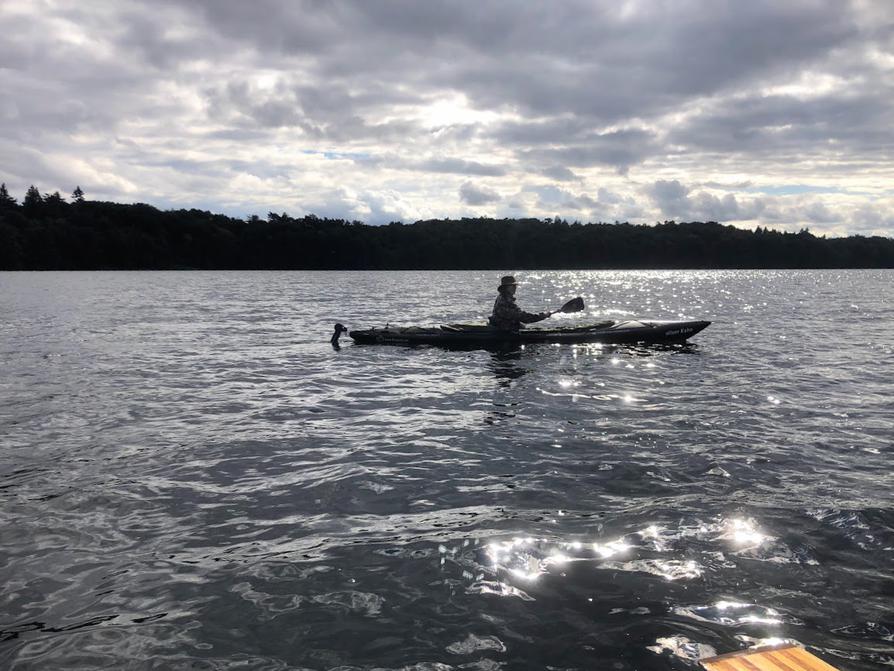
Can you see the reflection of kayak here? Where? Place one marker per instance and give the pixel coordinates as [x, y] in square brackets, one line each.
[475, 335]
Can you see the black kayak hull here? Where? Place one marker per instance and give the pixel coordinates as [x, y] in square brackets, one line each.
[481, 336]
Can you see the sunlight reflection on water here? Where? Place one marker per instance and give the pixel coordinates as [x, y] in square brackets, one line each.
[527, 558]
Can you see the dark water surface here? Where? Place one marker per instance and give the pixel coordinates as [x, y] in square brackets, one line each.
[191, 477]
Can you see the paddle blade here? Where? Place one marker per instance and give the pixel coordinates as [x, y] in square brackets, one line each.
[574, 305]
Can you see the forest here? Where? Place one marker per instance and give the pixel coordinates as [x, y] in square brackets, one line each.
[52, 233]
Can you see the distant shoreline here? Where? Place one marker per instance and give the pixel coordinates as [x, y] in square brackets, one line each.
[53, 234]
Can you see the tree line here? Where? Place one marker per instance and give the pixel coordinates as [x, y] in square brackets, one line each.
[53, 233]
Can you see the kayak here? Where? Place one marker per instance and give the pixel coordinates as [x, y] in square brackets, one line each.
[482, 335]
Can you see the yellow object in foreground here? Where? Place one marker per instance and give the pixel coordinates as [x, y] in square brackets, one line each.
[784, 658]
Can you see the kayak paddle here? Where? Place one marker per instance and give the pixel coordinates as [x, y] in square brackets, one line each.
[574, 305]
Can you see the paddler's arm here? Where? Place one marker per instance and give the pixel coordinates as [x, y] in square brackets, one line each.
[531, 317]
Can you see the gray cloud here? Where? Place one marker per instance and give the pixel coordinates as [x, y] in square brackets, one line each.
[609, 64]
[459, 167]
[190, 99]
[871, 220]
[605, 205]
[669, 195]
[559, 173]
[618, 149]
[826, 125]
[471, 194]
[331, 112]
[677, 201]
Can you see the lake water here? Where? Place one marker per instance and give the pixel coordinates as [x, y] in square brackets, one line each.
[192, 477]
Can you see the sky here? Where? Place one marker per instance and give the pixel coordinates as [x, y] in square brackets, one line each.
[760, 113]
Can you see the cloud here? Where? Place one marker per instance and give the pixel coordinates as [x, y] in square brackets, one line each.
[668, 195]
[762, 112]
[375, 205]
[829, 211]
[830, 126]
[330, 113]
[618, 149]
[559, 173]
[874, 219]
[677, 201]
[457, 166]
[603, 205]
[471, 194]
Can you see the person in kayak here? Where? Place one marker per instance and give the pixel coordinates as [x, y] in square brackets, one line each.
[507, 316]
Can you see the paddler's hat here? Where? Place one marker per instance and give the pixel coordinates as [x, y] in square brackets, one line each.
[507, 281]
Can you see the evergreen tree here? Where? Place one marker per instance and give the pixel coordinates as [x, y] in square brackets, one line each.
[5, 198]
[33, 199]
[77, 195]
[54, 204]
